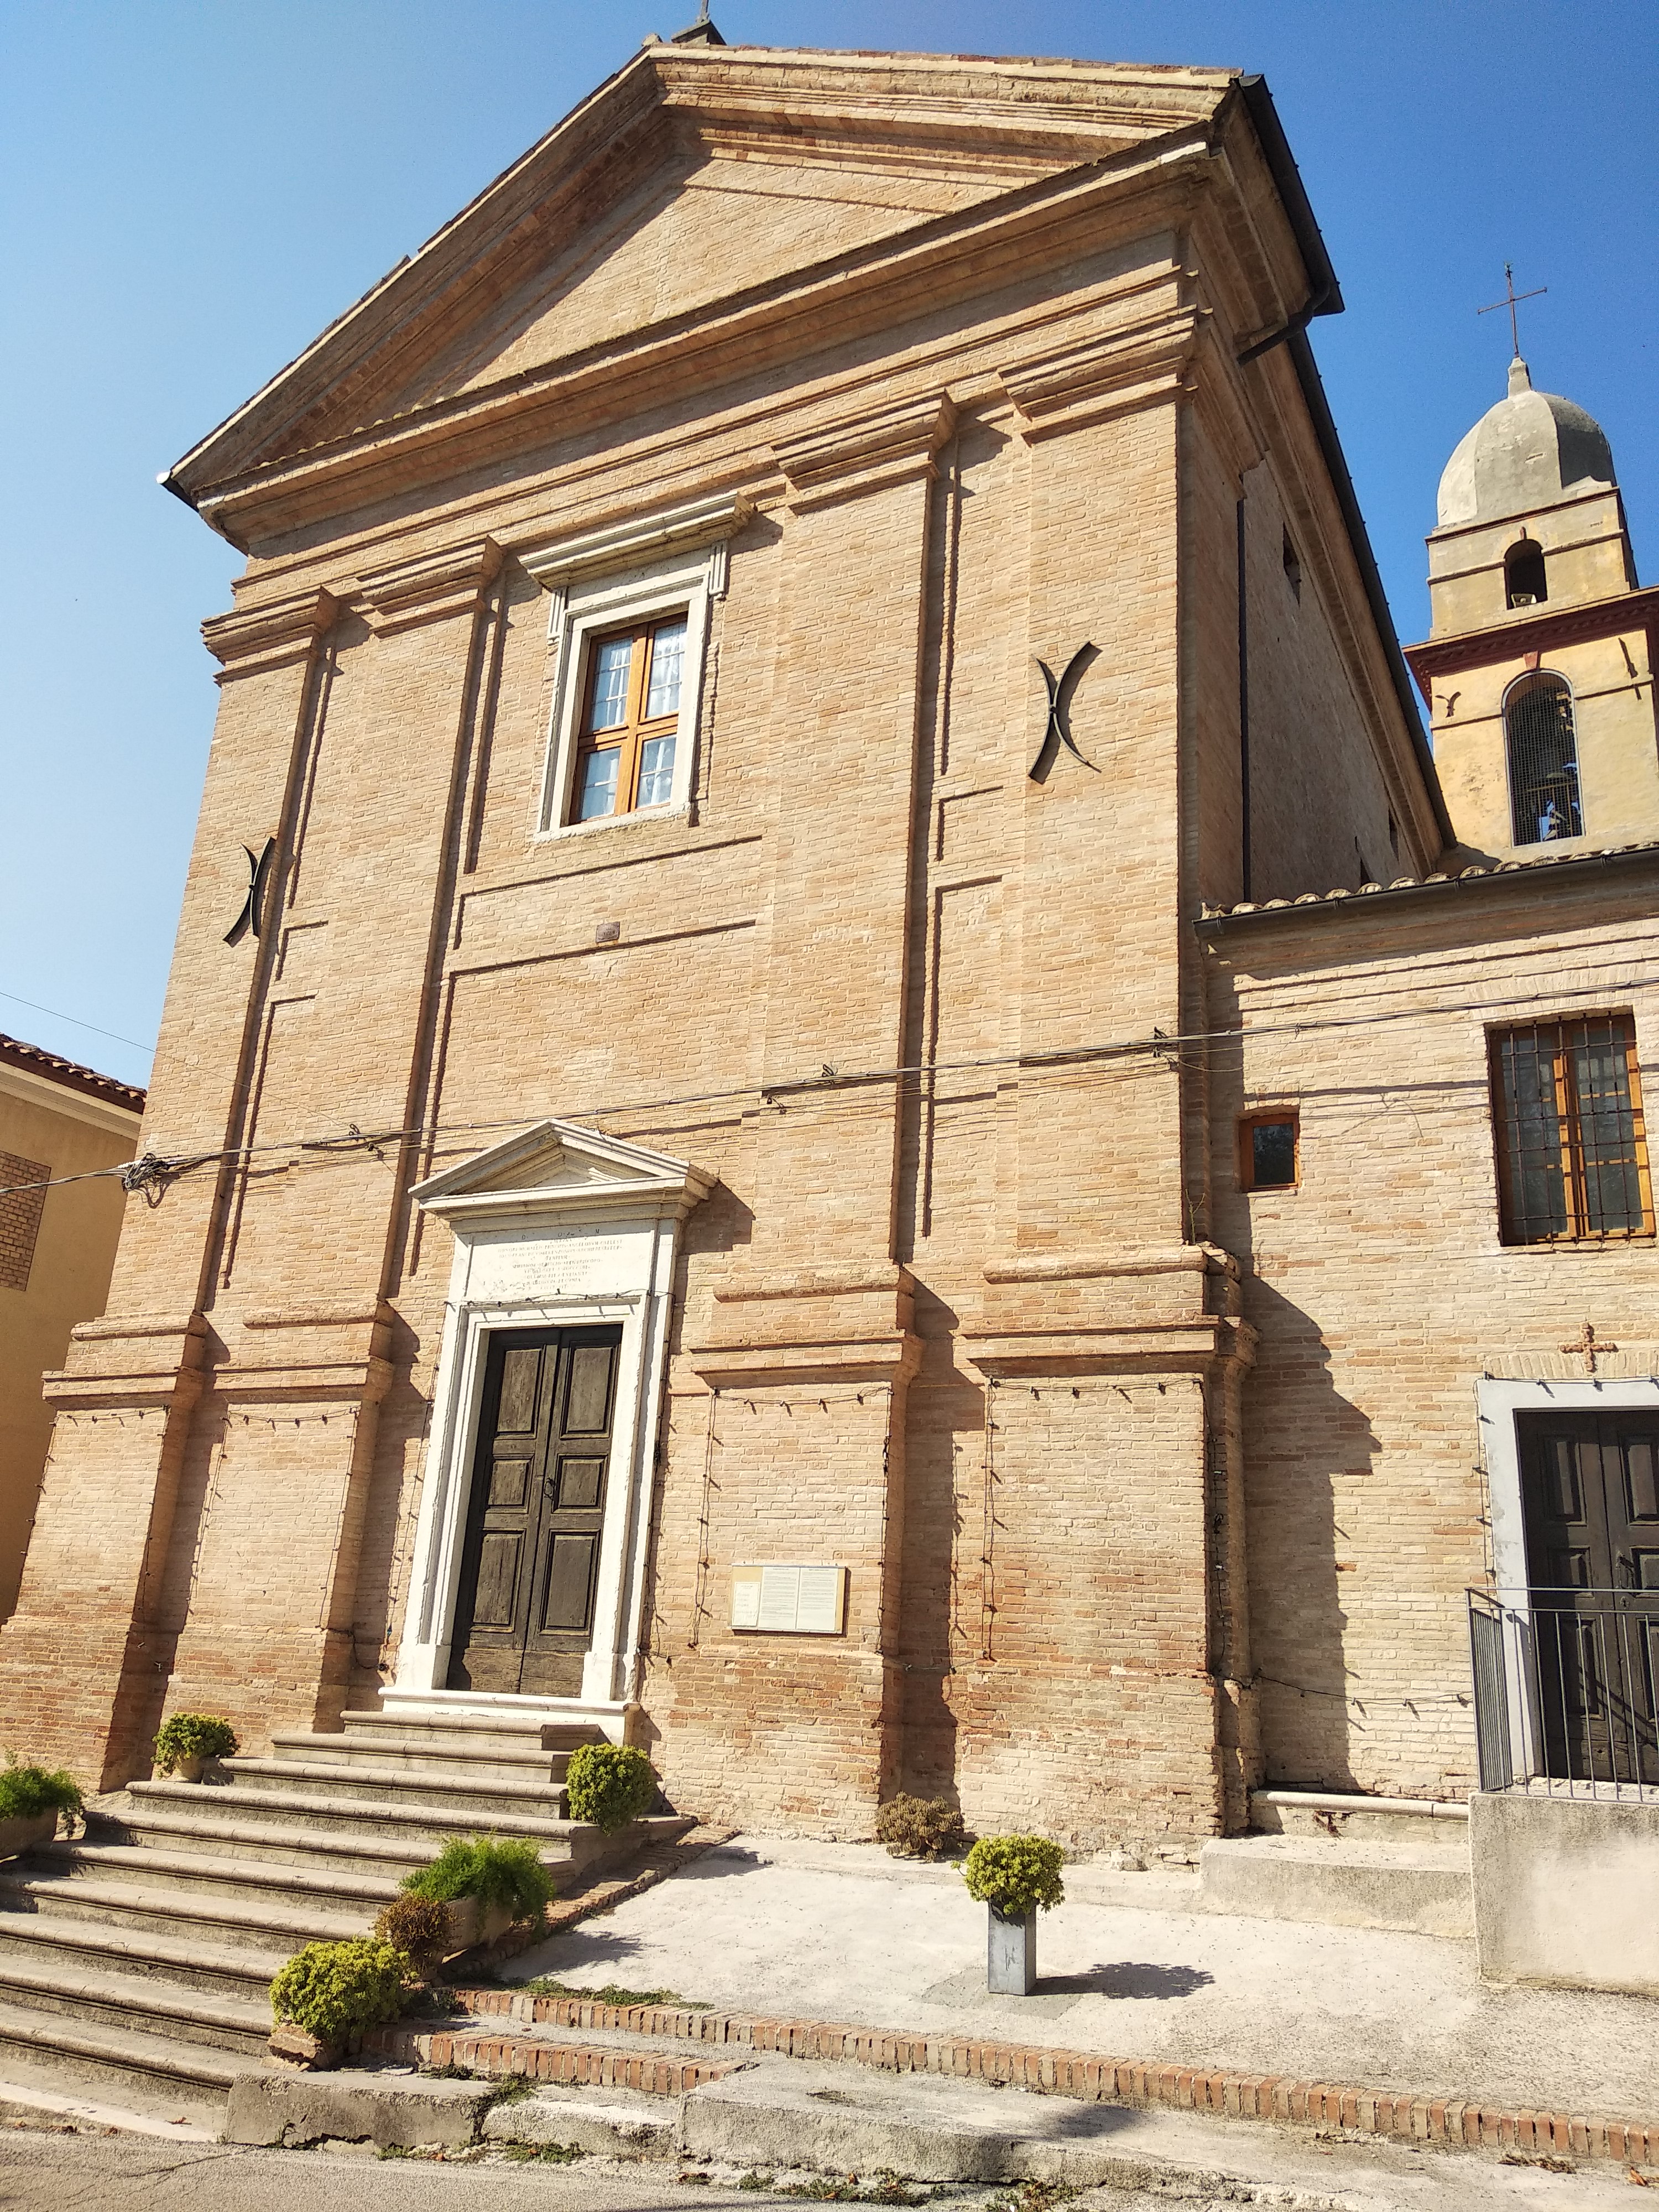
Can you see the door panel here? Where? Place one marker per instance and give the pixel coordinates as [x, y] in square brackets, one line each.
[529, 1564]
[1588, 1484]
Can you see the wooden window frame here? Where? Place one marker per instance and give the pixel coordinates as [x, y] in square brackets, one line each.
[1570, 1123]
[1268, 1116]
[629, 737]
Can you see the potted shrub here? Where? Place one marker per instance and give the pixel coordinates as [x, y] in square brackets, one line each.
[921, 1827]
[186, 1742]
[330, 1994]
[609, 1784]
[491, 1881]
[1015, 1877]
[31, 1798]
[422, 1928]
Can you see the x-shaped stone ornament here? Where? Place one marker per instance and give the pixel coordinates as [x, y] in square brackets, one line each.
[1058, 731]
[258, 870]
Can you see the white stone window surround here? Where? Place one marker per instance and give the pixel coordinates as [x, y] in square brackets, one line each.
[646, 570]
[1497, 1404]
[559, 1228]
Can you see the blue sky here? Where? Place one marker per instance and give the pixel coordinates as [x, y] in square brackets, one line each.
[189, 191]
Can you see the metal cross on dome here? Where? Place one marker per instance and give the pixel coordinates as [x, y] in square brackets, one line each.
[1511, 300]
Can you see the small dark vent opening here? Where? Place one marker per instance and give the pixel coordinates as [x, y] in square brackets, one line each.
[1292, 567]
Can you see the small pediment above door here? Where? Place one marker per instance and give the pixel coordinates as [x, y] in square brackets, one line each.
[558, 1167]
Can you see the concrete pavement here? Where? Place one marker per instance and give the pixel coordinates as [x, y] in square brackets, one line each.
[1130, 1967]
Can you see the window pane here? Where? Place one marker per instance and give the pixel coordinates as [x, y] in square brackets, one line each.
[597, 787]
[1606, 1127]
[1273, 1155]
[1530, 1133]
[667, 659]
[610, 701]
[656, 772]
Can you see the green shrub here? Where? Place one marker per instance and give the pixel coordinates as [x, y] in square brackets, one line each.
[418, 1927]
[26, 1792]
[194, 1736]
[497, 1870]
[1015, 1875]
[608, 1783]
[920, 1827]
[334, 1991]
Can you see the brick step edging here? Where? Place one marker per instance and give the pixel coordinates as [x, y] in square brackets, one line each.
[1223, 2094]
[539, 2060]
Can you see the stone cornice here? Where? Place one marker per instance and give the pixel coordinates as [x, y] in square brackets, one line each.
[866, 450]
[1535, 633]
[1110, 373]
[429, 588]
[250, 641]
[979, 250]
[653, 535]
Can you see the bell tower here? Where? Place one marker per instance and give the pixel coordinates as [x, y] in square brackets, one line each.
[1539, 666]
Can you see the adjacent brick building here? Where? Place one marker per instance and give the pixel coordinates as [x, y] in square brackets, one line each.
[698, 1181]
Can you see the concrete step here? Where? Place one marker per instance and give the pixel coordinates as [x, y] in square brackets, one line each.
[218, 1921]
[476, 1803]
[422, 1824]
[1421, 1887]
[437, 1756]
[504, 1731]
[1357, 1819]
[195, 2077]
[170, 1828]
[92, 1947]
[146, 2003]
[191, 1873]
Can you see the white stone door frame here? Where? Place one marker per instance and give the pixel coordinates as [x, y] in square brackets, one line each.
[1497, 1404]
[559, 1228]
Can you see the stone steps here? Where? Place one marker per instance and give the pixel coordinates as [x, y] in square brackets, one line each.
[215, 1919]
[535, 1768]
[76, 2049]
[144, 1951]
[476, 1803]
[90, 1946]
[194, 1873]
[139, 2003]
[422, 1823]
[1421, 1887]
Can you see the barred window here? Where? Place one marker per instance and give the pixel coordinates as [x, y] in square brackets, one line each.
[1542, 749]
[1573, 1158]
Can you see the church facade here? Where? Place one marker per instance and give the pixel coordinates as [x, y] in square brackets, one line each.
[789, 1116]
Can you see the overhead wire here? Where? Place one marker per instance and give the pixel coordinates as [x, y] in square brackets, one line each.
[1062, 1061]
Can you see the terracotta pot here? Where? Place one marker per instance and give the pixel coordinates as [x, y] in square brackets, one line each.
[24, 1830]
[295, 2047]
[191, 1768]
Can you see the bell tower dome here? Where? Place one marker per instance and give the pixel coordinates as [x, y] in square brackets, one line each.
[1538, 666]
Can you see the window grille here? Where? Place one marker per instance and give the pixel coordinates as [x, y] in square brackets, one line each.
[1572, 1161]
[1543, 761]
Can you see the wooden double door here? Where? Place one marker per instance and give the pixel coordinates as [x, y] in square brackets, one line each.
[1589, 1488]
[530, 1565]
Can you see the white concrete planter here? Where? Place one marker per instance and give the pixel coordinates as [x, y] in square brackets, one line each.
[24, 1830]
[471, 1924]
[189, 1770]
[1010, 1954]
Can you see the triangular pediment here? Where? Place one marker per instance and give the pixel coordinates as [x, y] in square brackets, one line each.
[695, 177]
[559, 1166]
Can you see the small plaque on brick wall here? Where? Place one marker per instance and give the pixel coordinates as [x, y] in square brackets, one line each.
[790, 1600]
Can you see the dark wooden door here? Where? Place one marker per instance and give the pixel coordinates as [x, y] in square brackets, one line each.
[530, 1566]
[1589, 1487]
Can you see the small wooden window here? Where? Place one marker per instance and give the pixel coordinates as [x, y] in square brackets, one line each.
[631, 722]
[1572, 1155]
[1269, 1150]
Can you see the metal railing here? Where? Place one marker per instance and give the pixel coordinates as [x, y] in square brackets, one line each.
[1565, 1683]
